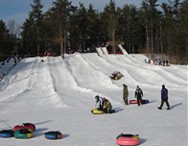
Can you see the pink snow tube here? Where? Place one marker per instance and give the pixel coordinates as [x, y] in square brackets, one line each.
[133, 102]
[127, 140]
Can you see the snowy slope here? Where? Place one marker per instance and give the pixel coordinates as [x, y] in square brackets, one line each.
[57, 94]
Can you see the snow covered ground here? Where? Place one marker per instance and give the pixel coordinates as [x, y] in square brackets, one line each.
[57, 94]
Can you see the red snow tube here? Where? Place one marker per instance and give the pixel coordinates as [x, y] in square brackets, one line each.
[133, 101]
[127, 140]
[24, 126]
[144, 101]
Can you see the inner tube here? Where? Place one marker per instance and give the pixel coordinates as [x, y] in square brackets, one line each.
[53, 135]
[145, 101]
[127, 140]
[6, 133]
[24, 126]
[97, 111]
[23, 134]
[116, 77]
[133, 101]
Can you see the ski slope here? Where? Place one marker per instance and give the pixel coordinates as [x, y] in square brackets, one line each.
[57, 94]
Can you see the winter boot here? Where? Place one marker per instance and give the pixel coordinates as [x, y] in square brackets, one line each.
[159, 108]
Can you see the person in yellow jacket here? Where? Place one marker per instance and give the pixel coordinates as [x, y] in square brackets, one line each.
[106, 106]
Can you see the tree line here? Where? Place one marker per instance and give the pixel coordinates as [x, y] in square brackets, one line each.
[152, 28]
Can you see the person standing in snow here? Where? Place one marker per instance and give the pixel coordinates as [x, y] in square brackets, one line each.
[138, 95]
[125, 94]
[164, 97]
[98, 102]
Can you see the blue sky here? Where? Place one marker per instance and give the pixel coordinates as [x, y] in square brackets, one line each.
[17, 10]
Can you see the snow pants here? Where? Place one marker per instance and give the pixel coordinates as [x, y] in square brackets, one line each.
[166, 101]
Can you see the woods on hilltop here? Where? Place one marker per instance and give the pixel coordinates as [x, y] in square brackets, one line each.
[152, 28]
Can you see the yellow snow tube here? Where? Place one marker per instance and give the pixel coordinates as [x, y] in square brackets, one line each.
[96, 111]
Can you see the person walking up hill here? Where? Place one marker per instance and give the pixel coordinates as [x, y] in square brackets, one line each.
[164, 98]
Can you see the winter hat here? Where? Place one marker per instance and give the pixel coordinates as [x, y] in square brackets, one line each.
[104, 99]
[163, 86]
[97, 97]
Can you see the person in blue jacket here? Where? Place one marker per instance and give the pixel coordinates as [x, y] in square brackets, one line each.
[164, 97]
[98, 102]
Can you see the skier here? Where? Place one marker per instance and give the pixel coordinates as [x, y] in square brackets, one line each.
[125, 94]
[138, 95]
[164, 98]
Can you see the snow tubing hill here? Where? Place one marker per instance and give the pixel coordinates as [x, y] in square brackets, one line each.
[96, 111]
[6, 133]
[53, 135]
[23, 134]
[24, 126]
[127, 140]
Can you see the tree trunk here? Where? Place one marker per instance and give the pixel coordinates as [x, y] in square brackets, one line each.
[147, 39]
[152, 40]
[38, 46]
[64, 41]
[113, 41]
[61, 42]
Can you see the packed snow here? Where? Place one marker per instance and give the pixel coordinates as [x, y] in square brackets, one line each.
[58, 94]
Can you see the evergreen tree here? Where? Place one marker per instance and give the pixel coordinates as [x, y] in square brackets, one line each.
[110, 18]
[60, 15]
[131, 28]
[36, 15]
[151, 15]
[32, 28]
[175, 34]
[95, 33]
[7, 41]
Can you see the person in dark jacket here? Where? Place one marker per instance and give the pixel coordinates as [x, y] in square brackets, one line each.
[138, 95]
[164, 97]
[125, 94]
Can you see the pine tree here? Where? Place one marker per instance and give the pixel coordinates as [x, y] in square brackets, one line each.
[36, 16]
[7, 41]
[110, 18]
[60, 14]
[32, 28]
[152, 20]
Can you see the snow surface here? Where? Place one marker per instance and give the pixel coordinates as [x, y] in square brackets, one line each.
[57, 94]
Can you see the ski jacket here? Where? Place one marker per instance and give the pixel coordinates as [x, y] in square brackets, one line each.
[125, 91]
[99, 103]
[164, 93]
[138, 93]
[107, 105]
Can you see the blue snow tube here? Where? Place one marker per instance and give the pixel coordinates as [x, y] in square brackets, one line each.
[145, 101]
[53, 135]
[6, 133]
